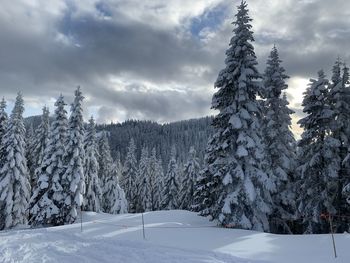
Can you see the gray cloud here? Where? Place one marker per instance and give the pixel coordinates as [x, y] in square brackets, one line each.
[141, 60]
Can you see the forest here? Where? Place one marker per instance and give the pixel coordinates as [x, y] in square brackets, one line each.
[242, 168]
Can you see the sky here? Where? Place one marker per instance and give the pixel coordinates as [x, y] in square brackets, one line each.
[156, 59]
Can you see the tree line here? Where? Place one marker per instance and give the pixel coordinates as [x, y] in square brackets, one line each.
[47, 178]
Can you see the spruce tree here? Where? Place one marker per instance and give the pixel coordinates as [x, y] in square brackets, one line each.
[105, 160]
[189, 179]
[3, 119]
[129, 177]
[114, 201]
[73, 179]
[3, 127]
[171, 186]
[155, 176]
[37, 146]
[319, 158]
[143, 178]
[14, 178]
[93, 192]
[280, 145]
[48, 197]
[234, 186]
[339, 99]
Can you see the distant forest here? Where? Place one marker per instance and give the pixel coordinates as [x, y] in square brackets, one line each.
[150, 134]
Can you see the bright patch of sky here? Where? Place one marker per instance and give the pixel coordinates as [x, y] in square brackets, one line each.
[210, 20]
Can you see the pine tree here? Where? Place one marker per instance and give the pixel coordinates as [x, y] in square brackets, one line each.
[113, 196]
[171, 186]
[119, 166]
[93, 192]
[29, 138]
[48, 197]
[155, 177]
[234, 186]
[280, 145]
[319, 158]
[104, 163]
[129, 177]
[14, 181]
[37, 146]
[159, 182]
[189, 179]
[3, 119]
[339, 99]
[3, 126]
[142, 184]
[73, 179]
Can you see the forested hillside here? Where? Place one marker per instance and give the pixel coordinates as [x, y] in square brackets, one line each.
[182, 134]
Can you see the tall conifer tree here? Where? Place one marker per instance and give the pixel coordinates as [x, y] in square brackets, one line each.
[234, 187]
[93, 192]
[14, 177]
[129, 177]
[48, 197]
[73, 179]
[280, 145]
[318, 157]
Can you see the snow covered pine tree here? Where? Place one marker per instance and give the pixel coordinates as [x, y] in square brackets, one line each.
[319, 158]
[234, 188]
[171, 185]
[48, 196]
[339, 99]
[113, 197]
[280, 145]
[189, 178]
[73, 181]
[129, 177]
[37, 146]
[14, 178]
[93, 192]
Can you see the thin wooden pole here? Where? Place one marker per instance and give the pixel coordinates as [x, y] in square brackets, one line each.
[333, 241]
[143, 228]
[81, 218]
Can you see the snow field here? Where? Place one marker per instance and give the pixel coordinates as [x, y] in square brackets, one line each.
[171, 236]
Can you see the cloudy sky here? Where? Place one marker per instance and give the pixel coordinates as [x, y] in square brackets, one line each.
[155, 59]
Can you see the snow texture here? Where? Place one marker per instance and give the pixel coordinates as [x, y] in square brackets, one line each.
[171, 236]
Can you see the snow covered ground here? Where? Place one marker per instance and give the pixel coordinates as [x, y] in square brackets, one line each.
[171, 236]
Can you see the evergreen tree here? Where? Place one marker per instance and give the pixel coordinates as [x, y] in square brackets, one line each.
[73, 179]
[48, 197]
[28, 152]
[119, 166]
[129, 177]
[171, 186]
[38, 144]
[234, 186]
[93, 192]
[189, 178]
[280, 145]
[143, 184]
[319, 158]
[3, 119]
[3, 127]
[159, 182]
[113, 196]
[155, 177]
[104, 158]
[339, 99]
[14, 181]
